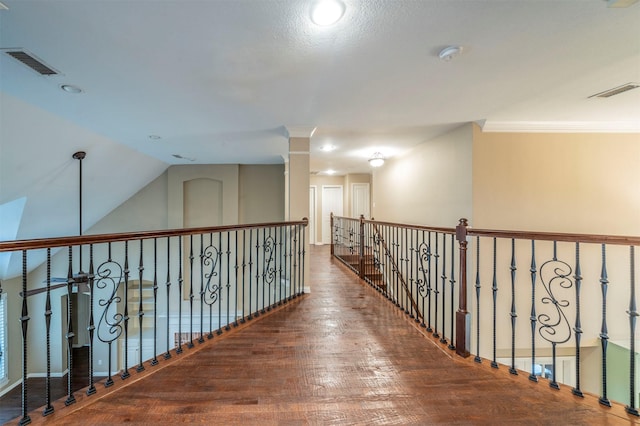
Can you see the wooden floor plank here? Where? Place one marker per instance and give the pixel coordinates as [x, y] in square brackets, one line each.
[341, 355]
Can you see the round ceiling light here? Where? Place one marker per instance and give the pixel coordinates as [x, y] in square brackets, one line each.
[69, 88]
[448, 53]
[377, 160]
[327, 12]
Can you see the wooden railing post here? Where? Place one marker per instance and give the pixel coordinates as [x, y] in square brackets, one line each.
[361, 248]
[331, 231]
[463, 318]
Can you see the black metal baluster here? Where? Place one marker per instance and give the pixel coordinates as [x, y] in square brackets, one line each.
[140, 366]
[477, 286]
[180, 283]
[24, 322]
[429, 289]
[209, 277]
[250, 272]
[281, 258]
[424, 279]
[219, 331]
[410, 265]
[244, 265]
[295, 261]
[287, 264]
[513, 314]
[125, 317]
[578, 326]
[48, 409]
[452, 281]
[227, 326]
[191, 295]
[443, 277]
[534, 317]
[201, 334]
[70, 334]
[436, 291]
[154, 361]
[109, 327]
[494, 292]
[633, 314]
[257, 311]
[90, 279]
[269, 249]
[167, 355]
[604, 336]
[553, 383]
[403, 272]
[235, 316]
[302, 256]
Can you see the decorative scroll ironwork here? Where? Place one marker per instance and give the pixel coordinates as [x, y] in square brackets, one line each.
[108, 277]
[423, 254]
[211, 265]
[555, 276]
[269, 270]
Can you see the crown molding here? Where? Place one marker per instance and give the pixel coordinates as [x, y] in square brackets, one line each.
[560, 126]
[300, 131]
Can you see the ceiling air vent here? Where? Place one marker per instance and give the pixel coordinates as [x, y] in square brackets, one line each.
[615, 90]
[31, 61]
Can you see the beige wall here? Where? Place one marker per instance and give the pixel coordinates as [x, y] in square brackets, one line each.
[429, 185]
[583, 183]
[262, 192]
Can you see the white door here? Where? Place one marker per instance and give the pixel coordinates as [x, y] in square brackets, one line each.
[312, 214]
[360, 200]
[331, 203]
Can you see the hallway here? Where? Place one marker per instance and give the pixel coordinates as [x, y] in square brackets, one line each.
[341, 355]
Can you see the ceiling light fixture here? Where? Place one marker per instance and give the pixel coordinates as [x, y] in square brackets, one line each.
[448, 53]
[327, 148]
[327, 12]
[330, 172]
[69, 88]
[154, 137]
[377, 160]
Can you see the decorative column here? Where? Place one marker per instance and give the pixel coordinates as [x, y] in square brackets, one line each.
[297, 187]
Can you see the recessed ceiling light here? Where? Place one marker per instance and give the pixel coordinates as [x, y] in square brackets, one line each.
[330, 172]
[327, 12]
[69, 88]
[448, 53]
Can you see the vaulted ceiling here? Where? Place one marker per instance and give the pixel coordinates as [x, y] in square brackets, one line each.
[223, 81]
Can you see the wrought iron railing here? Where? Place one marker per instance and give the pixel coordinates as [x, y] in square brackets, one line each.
[147, 295]
[577, 296]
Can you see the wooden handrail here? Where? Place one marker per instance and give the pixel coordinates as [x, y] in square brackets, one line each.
[41, 243]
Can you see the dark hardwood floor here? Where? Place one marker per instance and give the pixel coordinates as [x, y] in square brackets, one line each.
[341, 355]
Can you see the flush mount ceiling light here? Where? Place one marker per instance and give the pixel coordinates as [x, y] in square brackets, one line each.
[327, 12]
[69, 88]
[330, 172]
[377, 160]
[328, 148]
[448, 53]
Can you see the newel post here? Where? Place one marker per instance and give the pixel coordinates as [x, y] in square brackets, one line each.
[361, 248]
[463, 318]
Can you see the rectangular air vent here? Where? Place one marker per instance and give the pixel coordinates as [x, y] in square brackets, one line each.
[31, 61]
[615, 90]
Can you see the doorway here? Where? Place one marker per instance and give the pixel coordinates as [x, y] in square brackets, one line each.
[360, 204]
[332, 201]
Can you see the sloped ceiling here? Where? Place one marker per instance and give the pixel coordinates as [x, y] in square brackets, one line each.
[221, 81]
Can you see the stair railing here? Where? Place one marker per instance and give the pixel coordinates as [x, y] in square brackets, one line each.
[578, 296]
[132, 318]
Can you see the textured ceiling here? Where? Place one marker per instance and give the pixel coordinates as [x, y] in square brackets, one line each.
[222, 81]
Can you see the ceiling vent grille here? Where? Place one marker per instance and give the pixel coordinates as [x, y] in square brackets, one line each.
[615, 90]
[32, 62]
